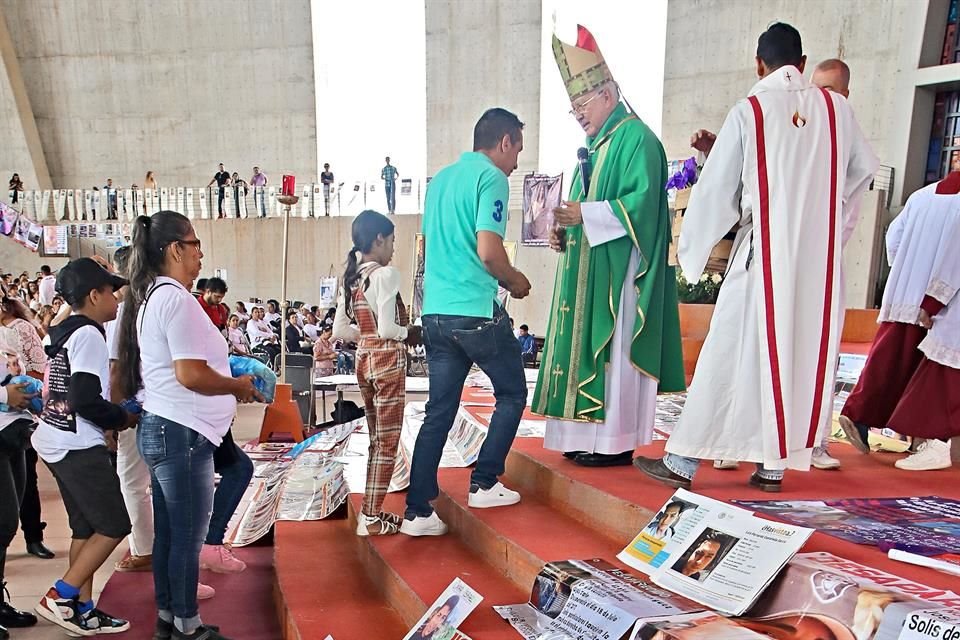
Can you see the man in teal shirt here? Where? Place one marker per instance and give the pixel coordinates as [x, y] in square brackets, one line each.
[464, 222]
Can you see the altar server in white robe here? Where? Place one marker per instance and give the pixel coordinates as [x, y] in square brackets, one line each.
[788, 165]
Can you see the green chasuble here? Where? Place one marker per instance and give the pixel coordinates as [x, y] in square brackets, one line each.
[629, 173]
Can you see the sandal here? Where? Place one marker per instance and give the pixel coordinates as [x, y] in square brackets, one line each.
[366, 526]
[134, 563]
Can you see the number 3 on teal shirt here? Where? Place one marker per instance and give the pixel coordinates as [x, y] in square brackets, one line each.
[498, 210]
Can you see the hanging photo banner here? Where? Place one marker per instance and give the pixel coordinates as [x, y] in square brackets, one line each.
[419, 266]
[127, 211]
[189, 194]
[406, 186]
[136, 203]
[260, 201]
[202, 198]
[314, 206]
[73, 230]
[59, 202]
[541, 195]
[41, 204]
[228, 206]
[272, 203]
[87, 204]
[166, 200]
[180, 194]
[71, 205]
[328, 291]
[155, 202]
[8, 219]
[306, 211]
[242, 192]
[55, 240]
[28, 233]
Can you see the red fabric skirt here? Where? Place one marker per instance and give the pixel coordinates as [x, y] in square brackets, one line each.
[930, 405]
[893, 359]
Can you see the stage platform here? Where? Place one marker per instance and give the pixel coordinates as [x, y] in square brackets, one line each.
[329, 581]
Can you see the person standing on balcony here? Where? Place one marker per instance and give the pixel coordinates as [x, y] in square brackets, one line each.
[259, 183]
[389, 175]
[221, 177]
[787, 165]
[326, 178]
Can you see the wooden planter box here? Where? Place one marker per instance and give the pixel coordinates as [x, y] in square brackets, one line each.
[719, 257]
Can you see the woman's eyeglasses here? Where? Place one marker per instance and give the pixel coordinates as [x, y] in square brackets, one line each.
[192, 243]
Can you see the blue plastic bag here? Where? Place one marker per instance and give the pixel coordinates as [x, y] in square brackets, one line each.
[33, 386]
[264, 379]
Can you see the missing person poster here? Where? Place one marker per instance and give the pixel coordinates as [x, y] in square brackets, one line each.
[670, 528]
[729, 558]
[55, 240]
[446, 614]
[541, 195]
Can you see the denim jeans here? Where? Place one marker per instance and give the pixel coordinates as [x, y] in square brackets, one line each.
[391, 197]
[454, 344]
[234, 480]
[181, 479]
[687, 467]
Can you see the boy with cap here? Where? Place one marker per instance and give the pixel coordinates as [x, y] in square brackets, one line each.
[70, 441]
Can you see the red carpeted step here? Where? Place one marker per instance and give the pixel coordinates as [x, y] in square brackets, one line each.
[578, 492]
[413, 572]
[620, 491]
[322, 586]
[519, 539]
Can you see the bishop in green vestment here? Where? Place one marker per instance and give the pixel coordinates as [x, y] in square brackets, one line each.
[613, 341]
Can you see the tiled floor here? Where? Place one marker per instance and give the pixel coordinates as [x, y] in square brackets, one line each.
[28, 578]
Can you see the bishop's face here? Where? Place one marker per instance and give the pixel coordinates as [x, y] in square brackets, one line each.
[593, 109]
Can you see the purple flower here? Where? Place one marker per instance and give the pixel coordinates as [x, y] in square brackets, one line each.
[686, 177]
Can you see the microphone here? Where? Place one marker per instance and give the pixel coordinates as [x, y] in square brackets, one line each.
[583, 161]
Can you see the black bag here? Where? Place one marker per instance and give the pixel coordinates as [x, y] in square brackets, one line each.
[346, 411]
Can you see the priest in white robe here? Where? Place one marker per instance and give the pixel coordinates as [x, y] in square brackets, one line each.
[788, 166]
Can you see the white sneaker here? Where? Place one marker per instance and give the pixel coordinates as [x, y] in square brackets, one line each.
[930, 455]
[726, 465]
[496, 496]
[822, 459]
[432, 525]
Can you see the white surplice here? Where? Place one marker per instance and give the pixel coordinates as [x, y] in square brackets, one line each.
[631, 401]
[762, 389]
[923, 247]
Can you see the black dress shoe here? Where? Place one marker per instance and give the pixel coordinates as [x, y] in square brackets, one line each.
[14, 619]
[604, 459]
[656, 469]
[4, 635]
[39, 550]
[770, 486]
[570, 455]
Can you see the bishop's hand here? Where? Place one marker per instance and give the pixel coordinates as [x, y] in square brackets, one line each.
[568, 214]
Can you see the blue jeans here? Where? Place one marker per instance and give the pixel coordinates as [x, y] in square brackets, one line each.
[454, 344]
[234, 480]
[687, 467]
[391, 190]
[181, 476]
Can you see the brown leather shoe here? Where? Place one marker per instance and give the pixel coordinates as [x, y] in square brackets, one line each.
[770, 486]
[656, 469]
[134, 563]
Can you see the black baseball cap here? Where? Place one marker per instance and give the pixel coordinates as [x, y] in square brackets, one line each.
[81, 276]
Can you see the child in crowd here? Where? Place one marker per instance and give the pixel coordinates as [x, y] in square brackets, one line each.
[324, 353]
[31, 386]
[236, 338]
[371, 299]
[71, 442]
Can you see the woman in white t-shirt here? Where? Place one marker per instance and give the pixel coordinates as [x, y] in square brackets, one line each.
[170, 348]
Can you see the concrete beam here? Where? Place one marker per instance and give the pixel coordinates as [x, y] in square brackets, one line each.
[23, 113]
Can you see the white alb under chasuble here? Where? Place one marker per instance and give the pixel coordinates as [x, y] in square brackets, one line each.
[790, 166]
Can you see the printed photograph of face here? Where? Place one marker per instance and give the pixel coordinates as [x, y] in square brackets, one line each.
[706, 552]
